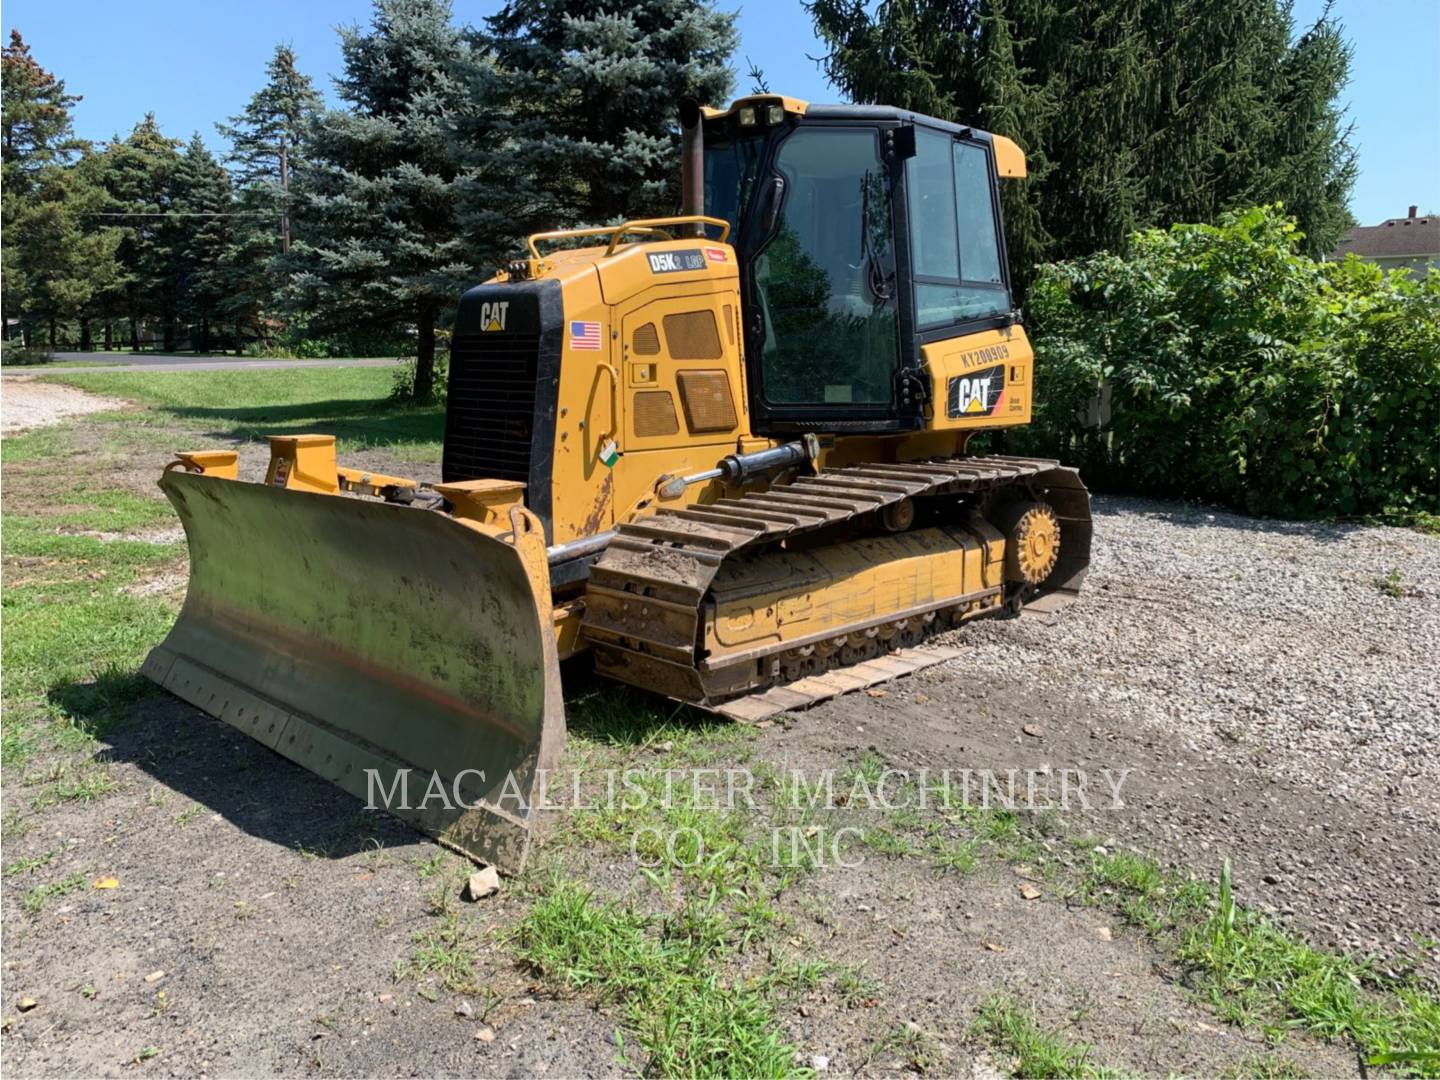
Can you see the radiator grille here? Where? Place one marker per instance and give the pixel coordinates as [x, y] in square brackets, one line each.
[490, 415]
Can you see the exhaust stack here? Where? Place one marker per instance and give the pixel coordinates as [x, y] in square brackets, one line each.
[692, 162]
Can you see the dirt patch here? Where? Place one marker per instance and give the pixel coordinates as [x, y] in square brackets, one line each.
[26, 404]
[929, 949]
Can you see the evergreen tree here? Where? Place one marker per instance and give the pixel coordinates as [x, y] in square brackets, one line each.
[589, 94]
[35, 126]
[58, 253]
[275, 124]
[66, 257]
[194, 239]
[378, 238]
[1131, 114]
[136, 173]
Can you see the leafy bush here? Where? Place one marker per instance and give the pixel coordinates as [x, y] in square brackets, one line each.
[1217, 362]
[14, 352]
[402, 387]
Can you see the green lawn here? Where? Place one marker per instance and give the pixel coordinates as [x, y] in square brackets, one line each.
[351, 403]
[94, 568]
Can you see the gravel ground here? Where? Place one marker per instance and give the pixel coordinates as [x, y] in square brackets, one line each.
[26, 404]
[1282, 638]
[1272, 686]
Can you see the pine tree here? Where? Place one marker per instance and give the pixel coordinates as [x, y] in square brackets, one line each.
[274, 127]
[194, 239]
[35, 127]
[269, 140]
[58, 253]
[590, 92]
[136, 173]
[378, 238]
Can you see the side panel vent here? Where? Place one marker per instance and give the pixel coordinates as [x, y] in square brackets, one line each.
[655, 413]
[693, 335]
[705, 396]
[647, 340]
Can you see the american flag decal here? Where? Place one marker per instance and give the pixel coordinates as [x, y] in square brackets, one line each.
[585, 335]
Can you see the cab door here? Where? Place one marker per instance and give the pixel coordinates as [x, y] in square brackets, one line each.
[823, 311]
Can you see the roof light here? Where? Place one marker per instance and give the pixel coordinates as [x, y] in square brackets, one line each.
[774, 114]
[747, 116]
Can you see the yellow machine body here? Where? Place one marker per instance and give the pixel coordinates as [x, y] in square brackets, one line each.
[630, 471]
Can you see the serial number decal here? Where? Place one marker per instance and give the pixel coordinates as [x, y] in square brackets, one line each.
[674, 262]
[988, 355]
[977, 394]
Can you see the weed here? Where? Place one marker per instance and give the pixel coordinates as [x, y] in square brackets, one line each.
[31, 862]
[1007, 1027]
[435, 864]
[953, 856]
[189, 814]
[1264, 1067]
[1391, 585]
[1253, 973]
[888, 842]
[907, 1041]
[36, 899]
[443, 951]
[86, 785]
[854, 988]
[667, 974]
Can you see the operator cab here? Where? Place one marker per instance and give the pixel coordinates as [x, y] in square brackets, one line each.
[863, 232]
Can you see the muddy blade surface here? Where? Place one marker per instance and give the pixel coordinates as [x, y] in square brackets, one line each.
[378, 646]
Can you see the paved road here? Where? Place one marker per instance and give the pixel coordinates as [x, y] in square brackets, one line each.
[149, 362]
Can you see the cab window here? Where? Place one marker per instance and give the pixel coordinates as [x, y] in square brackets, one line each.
[824, 279]
[954, 235]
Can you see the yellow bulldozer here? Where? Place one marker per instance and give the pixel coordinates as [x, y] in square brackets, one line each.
[724, 453]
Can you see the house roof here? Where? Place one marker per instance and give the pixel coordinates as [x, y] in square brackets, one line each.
[1405, 237]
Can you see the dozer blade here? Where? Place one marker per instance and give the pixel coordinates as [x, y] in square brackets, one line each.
[391, 650]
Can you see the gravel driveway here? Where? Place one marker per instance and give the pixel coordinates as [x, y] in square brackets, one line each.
[26, 403]
[1274, 686]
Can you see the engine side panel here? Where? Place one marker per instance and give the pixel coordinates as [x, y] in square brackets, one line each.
[981, 380]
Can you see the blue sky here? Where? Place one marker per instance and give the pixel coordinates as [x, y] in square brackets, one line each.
[192, 63]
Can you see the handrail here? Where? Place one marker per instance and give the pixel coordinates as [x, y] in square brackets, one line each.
[650, 226]
[609, 369]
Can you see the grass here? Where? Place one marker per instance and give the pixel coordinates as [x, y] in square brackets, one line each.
[1255, 975]
[31, 863]
[350, 403]
[80, 543]
[668, 974]
[35, 900]
[1005, 1026]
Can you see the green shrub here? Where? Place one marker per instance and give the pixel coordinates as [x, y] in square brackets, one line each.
[1216, 362]
[14, 352]
[402, 388]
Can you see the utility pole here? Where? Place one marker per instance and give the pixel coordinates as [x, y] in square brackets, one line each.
[285, 196]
